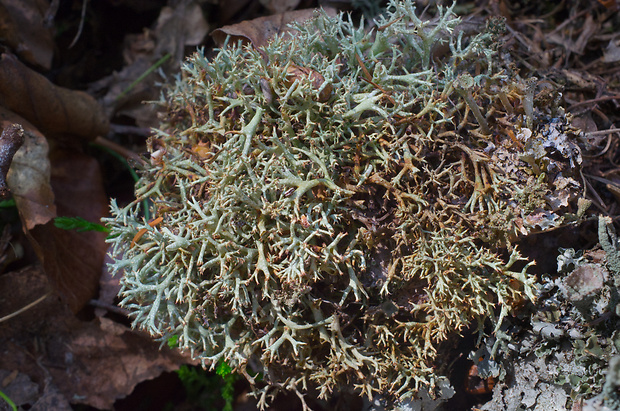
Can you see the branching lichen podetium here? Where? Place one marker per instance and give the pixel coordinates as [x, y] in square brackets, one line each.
[332, 207]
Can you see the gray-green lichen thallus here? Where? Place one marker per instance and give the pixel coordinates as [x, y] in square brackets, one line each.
[328, 210]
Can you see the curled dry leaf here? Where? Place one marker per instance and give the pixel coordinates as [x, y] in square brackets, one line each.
[587, 29]
[111, 361]
[612, 52]
[22, 28]
[183, 25]
[73, 260]
[260, 31]
[26, 394]
[317, 80]
[53, 110]
[177, 27]
[29, 175]
[109, 287]
[92, 363]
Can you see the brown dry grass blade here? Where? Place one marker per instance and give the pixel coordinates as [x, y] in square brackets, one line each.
[53, 110]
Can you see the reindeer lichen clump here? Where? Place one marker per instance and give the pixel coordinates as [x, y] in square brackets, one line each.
[327, 209]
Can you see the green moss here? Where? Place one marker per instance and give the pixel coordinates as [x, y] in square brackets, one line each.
[317, 204]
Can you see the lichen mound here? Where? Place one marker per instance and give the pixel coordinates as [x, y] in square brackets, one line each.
[326, 210]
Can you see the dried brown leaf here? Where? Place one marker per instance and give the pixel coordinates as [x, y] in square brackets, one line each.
[295, 73]
[92, 363]
[74, 260]
[53, 110]
[612, 52]
[23, 29]
[139, 45]
[109, 287]
[110, 364]
[585, 123]
[260, 31]
[183, 25]
[177, 27]
[122, 360]
[18, 387]
[119, 102]
[29, 175]
[590, 28]
[27, 394]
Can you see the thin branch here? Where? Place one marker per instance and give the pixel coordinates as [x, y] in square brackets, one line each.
[602, 132]
[594, 100]
[110, 307]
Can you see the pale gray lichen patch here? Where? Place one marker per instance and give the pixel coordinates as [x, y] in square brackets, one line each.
[329, 209]
[569, 352]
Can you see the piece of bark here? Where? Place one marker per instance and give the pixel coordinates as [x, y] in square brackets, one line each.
[11, 140]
